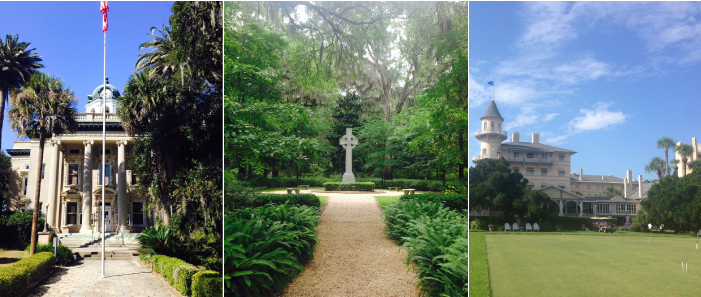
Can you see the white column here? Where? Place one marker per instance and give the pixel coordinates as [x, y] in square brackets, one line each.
[87, 187]
[559, 203]
[122, 187]
[52, 175]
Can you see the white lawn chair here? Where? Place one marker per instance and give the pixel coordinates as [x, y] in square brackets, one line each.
[507, 227]
[514, 227]
[698, 234]
[528, 227]
[536, 227]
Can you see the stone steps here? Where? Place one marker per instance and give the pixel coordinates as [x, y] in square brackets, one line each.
[109, 255]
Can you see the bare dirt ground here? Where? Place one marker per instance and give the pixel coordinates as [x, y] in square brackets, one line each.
[353, 256]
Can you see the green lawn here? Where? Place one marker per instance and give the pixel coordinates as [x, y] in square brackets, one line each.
[594, 264]
[385, 200]
[479, 269]
[323, 199]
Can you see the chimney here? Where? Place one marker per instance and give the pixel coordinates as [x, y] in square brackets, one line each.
[693, 142]
[581, 172]
[640, 186]
[629, 175]
[625, 187]
[514, 137]
[536, 138]
[602, 177]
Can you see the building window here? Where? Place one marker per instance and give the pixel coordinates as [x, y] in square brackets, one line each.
[43, 169]
[543, 171]
[492, 125]
[74, 152]
[530, 186]
[561, 172]
[134, 178]
[41, 204]
[543, 185]
[72, 213]
[107, 175]
[26, 180]
[576, 186]
[515, 154]
[529, 171]
[562, 157]
[516, 169]
[544, 155]
[529, 155]
[485, 125]
[73, 174]
[138, 210]
[561, 186]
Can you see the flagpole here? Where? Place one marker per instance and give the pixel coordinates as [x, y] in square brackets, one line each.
[104, 139]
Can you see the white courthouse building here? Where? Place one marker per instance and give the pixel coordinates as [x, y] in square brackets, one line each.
[71, 179]
[547, 169]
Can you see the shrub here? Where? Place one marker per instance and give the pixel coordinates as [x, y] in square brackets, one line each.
[334, 186]
[159, 239]
[19, 276]
[570, 223]
[482, 223]
[206, 283]
[18, 227]
[452, 201]
[635, 227]
[64, 255]
[177, 272]
[283, 182]
[294, 199]
[265, 247]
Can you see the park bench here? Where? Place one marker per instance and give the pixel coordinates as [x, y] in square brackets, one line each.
[408, 191]
[289, 190]
[306, 187]
[393, 188]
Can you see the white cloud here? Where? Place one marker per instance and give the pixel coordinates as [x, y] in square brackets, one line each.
[549, 117]
[477, 92]
[597, 119]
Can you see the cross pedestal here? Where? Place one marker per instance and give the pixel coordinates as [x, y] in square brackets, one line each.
[349, 142]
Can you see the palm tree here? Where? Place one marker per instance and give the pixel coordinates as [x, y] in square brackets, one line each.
[684, 150]
[17, 64]
[656, 165]
[666, 143]
[42, 107]
[611, 191]
[163, 55]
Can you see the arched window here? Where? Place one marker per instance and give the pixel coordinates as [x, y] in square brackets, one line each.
[107, 110]
[492, 125]
[485, 125]
[92, 110]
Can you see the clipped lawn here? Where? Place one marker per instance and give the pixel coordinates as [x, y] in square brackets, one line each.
[479, 269]
[322, 199]
[386, 200]
[593, 264]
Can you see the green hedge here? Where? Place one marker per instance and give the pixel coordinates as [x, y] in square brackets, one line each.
[294, 199]
[16, 228]
[207, 283]
[452, 201]
[335, 186]
[177, 272]
[635, 227]
[64, 255]
[418, 184]
[482, 223]
[19, 276]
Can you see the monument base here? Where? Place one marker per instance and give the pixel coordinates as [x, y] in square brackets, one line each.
[348, 178]
[45, 237]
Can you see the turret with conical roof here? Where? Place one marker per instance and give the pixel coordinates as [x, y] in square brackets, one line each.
[490, 134]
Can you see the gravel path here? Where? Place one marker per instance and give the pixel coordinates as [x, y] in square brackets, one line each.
[353, 256]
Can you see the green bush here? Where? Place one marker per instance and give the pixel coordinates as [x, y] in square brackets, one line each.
[436, 238]
[177, 272]
[635, 227]
[452, 201]
[335, 186]
[64, 255]
[266, 247]
[206, 283]
[160, 240]
[283, 182]
[294, 199]
[19, 276]
[570, 223]
[17, 228]
[482, 223]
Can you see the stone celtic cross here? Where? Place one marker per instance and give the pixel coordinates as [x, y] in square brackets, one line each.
[349, 142]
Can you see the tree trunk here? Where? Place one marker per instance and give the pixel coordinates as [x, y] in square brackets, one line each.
[461, 165]
[666, 158]
[684, 166]
[33, 244]
[276, 170]
[4, 96]
[242, 172]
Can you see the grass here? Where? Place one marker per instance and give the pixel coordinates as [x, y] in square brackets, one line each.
[479, 269]
[323, 199]
[386, 200]
[592, 264]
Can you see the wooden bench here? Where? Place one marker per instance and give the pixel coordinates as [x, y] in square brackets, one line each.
[289, 190]
[395, 188]
[408, 191]
[306, 187]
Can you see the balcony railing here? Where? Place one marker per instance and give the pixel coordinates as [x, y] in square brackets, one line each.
[93, 117]
[490, 131]
[530, 160]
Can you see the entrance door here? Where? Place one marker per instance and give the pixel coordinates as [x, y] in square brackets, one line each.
[108, 218]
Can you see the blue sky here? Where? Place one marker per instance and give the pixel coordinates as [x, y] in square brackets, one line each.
[68, 35]
[605, 79]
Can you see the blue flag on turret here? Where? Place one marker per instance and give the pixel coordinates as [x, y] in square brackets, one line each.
[491, 83]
